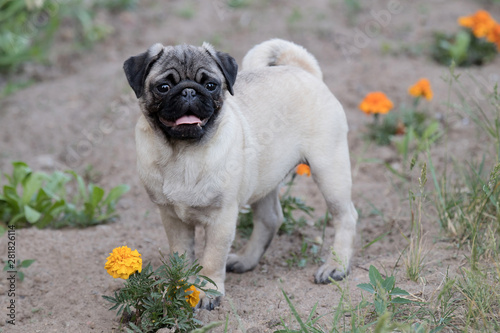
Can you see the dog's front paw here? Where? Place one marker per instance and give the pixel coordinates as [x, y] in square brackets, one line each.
[208, 303]
[239, 264]
[327, 271]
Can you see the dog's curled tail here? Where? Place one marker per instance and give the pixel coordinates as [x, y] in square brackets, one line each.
[278, 52]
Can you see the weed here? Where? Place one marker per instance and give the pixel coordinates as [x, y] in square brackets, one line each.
[310, 324]
[290, 206]
[38, 199]
[463, 48]
[353, 8]
[29, 27]
[117, 5]
[238, 3]
[18, 267]
[414, 258]
[308, 250]
[187, 12]
[482, 298]
[151, 300]
[414, 126]
[383, 291]
[245, 222]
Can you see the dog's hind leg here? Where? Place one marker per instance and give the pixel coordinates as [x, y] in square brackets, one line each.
[267, 218]
[330, 167]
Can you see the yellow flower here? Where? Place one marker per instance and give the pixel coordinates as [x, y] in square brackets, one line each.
[123, 262]
[421, 88]
[480, 23]
[494, 35]
[303, 169]
[194, 297]
[376, 102]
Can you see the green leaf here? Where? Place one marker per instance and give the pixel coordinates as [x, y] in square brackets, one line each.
[366, 287]
[458, 50]
[82, 189]
[388, 283]
[399, 300]
[374, 275]
[20, 275]
[55, 186]
[27, 263]
[96, 195]
[21, 170]
[31, 185]
[295, 313]
[115, 194]
[31, 214]
[11, 197]
[398, 291]
[380, 307]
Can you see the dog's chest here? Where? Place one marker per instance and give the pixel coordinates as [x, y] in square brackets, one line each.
[187, 182]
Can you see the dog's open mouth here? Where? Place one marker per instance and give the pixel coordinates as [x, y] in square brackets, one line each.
[185, 120]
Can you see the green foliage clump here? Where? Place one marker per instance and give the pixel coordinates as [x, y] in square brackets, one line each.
[462, 48]
[28, 28]
[18, 267]
[151, 300]
[408, 129]
[38, 199]
[290, 206]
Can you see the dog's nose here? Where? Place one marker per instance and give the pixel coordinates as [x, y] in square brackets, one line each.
[189, 93]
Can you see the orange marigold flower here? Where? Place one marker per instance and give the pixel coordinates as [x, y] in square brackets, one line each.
[303, 169]
[194, 297]
[494, 35]
[123, 262]
[480, 23]
[376, 102]
[421, 88]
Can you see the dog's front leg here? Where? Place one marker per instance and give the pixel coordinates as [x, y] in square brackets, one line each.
[180, 234]
[219, 236]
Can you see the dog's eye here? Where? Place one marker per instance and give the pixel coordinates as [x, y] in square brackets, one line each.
[211, 86]
[163, 88]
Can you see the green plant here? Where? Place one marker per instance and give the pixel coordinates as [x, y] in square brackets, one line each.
[307, 251]
[186, 12]
[28, 28]
[418, 142]
[245, 222]
[383, 291]
[482, 299]
[97, 207]
[151, 300]
[353, 8]
[20, 264]
[415, 255]
[38, 199]
[290, 206]
[415, 127]
[117, 5]
[463, 48]
[238, 3]
[309, 325]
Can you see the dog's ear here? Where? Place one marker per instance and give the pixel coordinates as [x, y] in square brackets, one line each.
[137, 68]
[227, 65]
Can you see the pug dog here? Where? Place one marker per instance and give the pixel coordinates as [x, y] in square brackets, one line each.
[211, 140]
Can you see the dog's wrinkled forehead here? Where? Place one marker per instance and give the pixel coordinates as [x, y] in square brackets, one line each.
[185, 62]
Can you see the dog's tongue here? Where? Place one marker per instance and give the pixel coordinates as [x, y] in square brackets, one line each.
[187, 120]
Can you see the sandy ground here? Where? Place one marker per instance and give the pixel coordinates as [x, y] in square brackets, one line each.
[83, 112]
